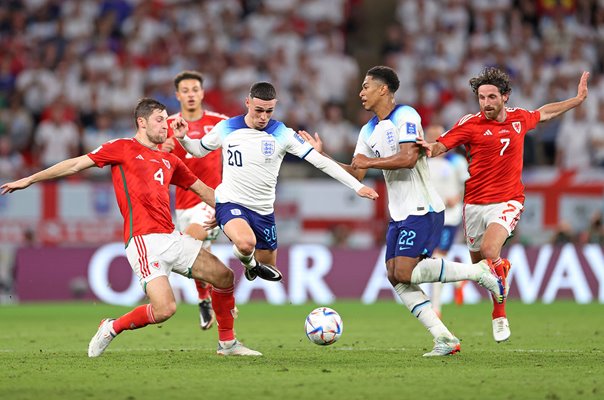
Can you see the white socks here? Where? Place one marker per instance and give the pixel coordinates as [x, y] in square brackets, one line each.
[441, 270]
[419, 304]
[248, 260]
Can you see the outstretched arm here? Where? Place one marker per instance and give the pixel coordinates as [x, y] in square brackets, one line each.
[432, 149]
[64, 168]
[205, 192]
[180, 127]
[552, 110]
[316, 142]
[331, 168]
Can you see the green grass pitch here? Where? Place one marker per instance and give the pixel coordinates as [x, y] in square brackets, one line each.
[556, 352]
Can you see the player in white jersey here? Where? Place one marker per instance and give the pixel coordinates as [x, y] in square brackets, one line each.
[253, 148]
[387, 142]
[448, 175]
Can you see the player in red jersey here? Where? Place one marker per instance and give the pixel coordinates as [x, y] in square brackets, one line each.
[191, 211]
[494, 194]
[141, 177]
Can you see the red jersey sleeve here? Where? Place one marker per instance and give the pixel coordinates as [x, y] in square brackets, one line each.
[182, 177]
[532, 117]
[108, 153]
[459, 134]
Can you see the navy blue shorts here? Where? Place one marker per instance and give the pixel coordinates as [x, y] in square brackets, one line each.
[263, 225]
[416, 236]
[447, 237]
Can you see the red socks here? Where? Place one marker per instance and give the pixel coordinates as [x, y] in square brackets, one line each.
[223, 302]
[203, 289]
[499, 309]
[139, 317]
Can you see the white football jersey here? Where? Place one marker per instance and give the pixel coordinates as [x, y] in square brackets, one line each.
[251, 160]
[448, 174]
[410, 191]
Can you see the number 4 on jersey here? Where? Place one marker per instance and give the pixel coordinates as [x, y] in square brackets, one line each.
[159, 176]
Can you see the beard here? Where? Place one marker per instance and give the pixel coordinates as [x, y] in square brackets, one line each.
[158, 138]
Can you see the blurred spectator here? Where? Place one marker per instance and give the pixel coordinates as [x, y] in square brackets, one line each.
[573, 142]
[56, 138]
[11, 162]
[339, 135]
[99, 133]
[17, 123]
[338, 73]
[38, 84]
[596, 136]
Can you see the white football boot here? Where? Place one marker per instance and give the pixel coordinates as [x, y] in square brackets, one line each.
[104, 335]
[501, 329]
[444, 346]
[235, 348]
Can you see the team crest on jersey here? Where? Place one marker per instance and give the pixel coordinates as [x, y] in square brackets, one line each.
[155, 264]
[268, 147]
[517, 126]
[390, 136]
[166, 163]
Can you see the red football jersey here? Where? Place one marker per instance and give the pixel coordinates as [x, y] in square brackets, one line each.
[209, 168]
[494, 153]
[141, 179]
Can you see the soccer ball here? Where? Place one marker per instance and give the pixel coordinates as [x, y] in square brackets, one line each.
[323, 326]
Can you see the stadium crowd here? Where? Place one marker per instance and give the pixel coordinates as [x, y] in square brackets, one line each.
[70, 70]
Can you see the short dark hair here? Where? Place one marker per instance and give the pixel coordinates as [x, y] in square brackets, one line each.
[386, 75]
[145, 107]
[492, 76]
[188, 75]
[263, 91]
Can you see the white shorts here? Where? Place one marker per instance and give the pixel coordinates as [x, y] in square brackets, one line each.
[477, 217]
[198, 214]
[158, 254]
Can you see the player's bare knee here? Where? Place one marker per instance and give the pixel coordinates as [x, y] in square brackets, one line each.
[164, 311]
[489, 251]
[401, 275]
[246, 245]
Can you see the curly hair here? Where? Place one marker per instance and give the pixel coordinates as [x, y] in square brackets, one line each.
[492, 76]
